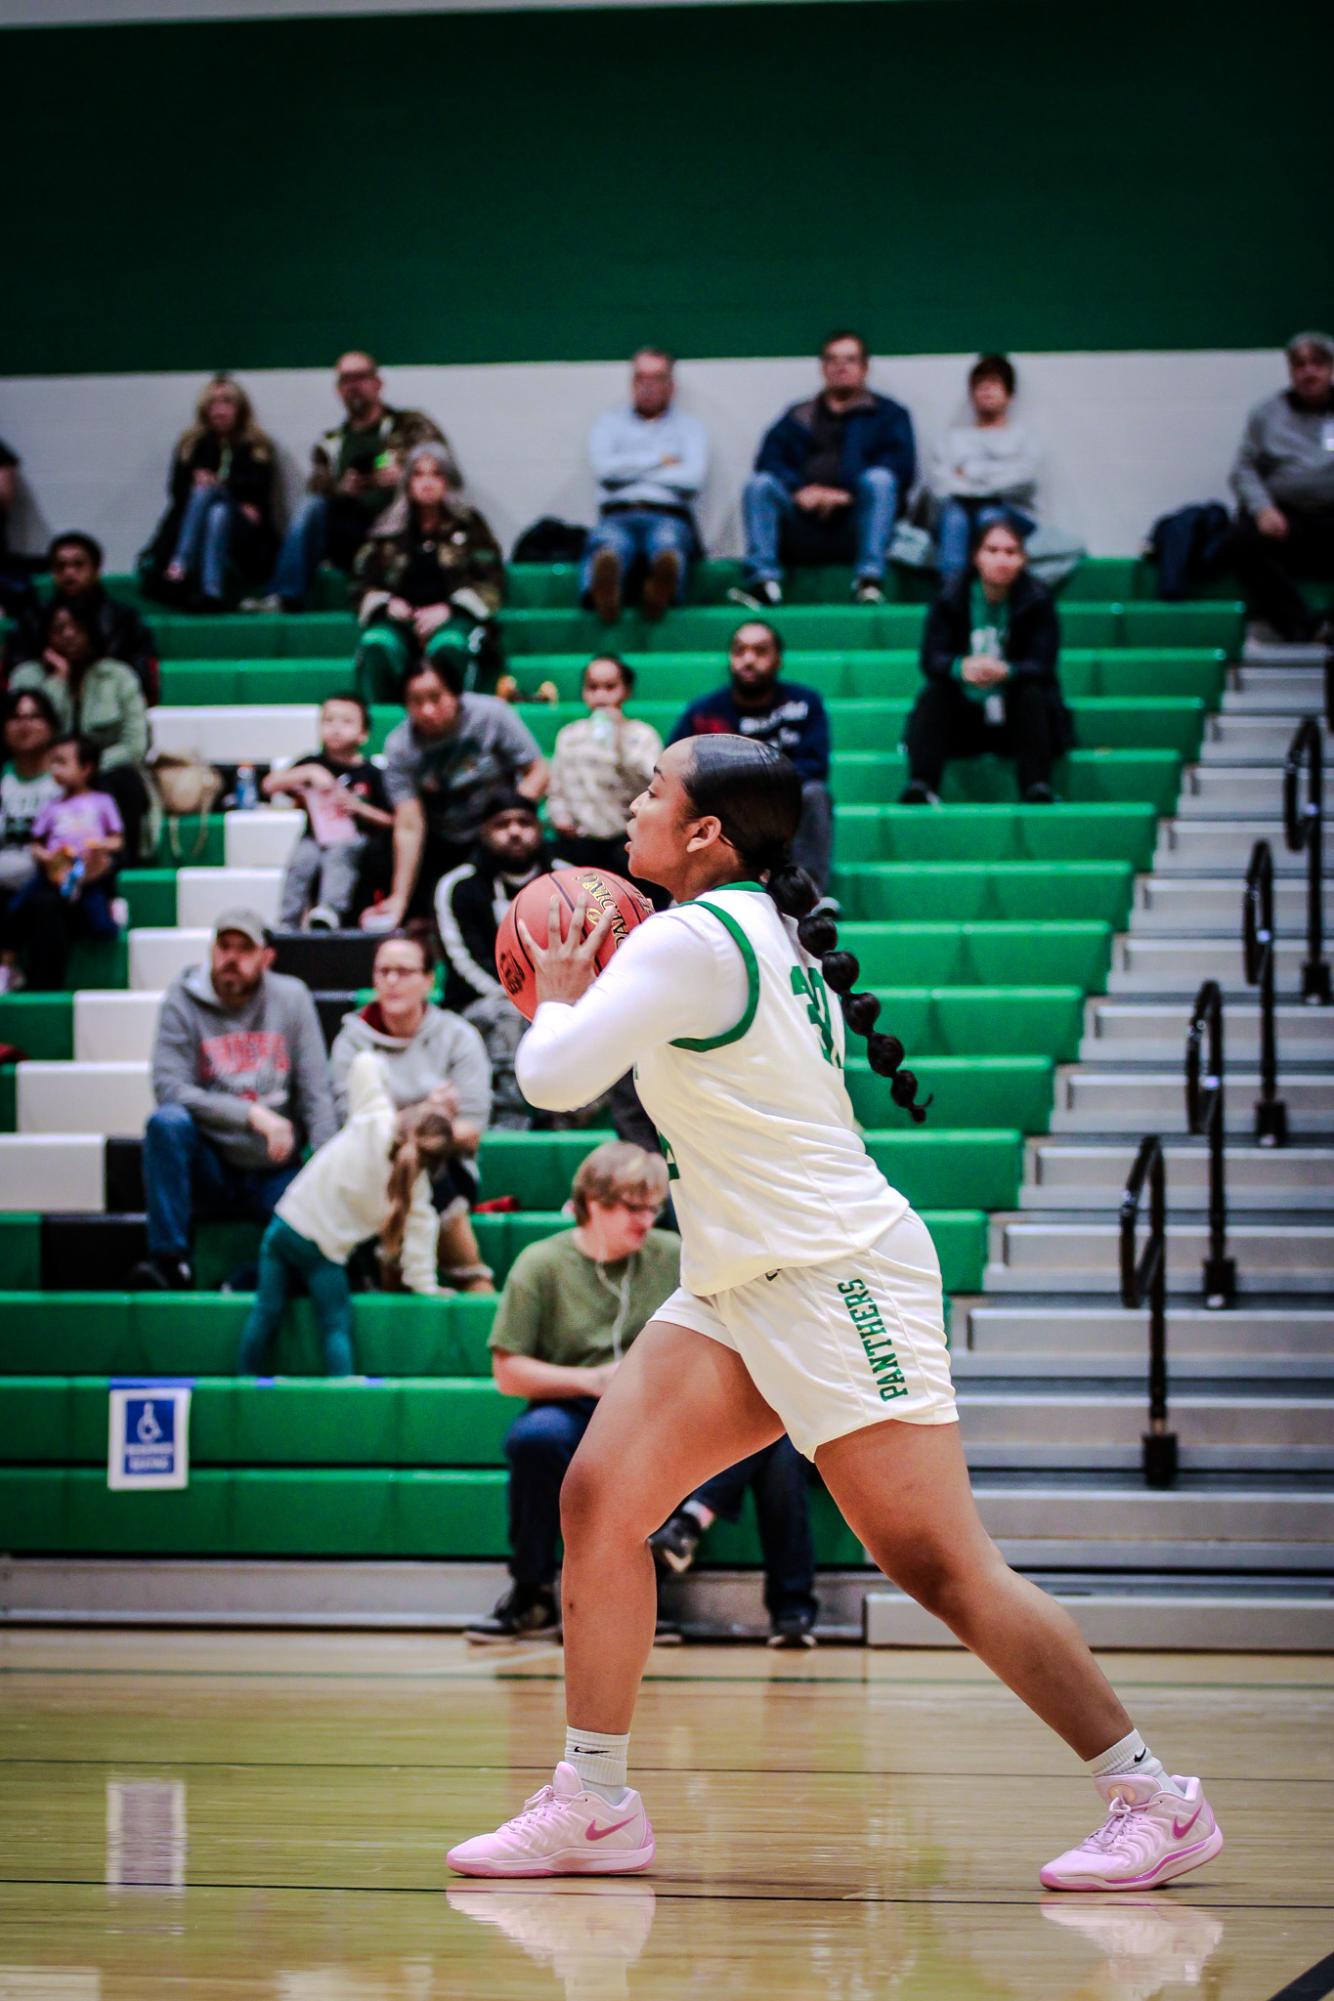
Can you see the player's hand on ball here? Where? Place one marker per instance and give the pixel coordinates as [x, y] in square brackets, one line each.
[566, 967]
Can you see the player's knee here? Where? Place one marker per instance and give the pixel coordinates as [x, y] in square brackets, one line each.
[587, 1498]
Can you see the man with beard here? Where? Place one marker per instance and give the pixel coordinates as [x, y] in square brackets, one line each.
[242, 1086]
[355, 472]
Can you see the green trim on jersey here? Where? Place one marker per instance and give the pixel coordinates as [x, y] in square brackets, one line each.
[752, 965]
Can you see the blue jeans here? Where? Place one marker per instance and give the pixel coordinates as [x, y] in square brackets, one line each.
[205, 538]
[639, 537]
[289, 1263]
[766, 505]
[183, 1172]
[962, 523]
[42, 924]
[782, 1506]
[539, 1447]
[302, 551]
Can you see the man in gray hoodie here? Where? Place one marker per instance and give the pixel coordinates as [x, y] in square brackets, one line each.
[242, 1086]
[1283, 477]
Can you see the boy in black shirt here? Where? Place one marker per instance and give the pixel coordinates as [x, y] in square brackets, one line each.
[346, 807]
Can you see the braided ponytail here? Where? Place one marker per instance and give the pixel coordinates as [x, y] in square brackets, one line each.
[755, 792]
[817, 932]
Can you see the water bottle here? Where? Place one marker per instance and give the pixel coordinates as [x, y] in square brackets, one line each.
[247, 791]
[72, 886]
[604, 726]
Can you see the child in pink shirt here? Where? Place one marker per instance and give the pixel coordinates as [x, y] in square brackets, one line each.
[77, 840]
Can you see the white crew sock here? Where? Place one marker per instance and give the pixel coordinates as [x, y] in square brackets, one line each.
[1130, 1758]
[600, 1761]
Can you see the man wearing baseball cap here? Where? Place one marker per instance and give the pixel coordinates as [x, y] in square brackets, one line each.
[241, 1080]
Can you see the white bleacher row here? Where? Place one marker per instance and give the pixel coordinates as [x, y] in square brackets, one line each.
[244, 734]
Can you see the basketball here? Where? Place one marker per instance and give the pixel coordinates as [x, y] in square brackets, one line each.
[603, 890]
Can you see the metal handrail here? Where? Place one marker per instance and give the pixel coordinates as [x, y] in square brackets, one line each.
[1145, 1276]
[1257, 948]
[1304, 831]
[1205, 1114]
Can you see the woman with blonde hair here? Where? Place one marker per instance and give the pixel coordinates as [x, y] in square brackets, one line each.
[372, 1180]
[222, 487]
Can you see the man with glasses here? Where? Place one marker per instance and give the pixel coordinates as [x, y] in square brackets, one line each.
[355, 471]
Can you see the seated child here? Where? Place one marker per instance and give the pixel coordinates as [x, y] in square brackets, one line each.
[77, 839]
[346, 808]
[373, 1179]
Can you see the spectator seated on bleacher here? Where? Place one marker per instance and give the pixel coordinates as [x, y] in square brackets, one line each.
[1283, 477]
[428, 581]
[241, 1080]
[571, 1307]
[989, 657]
[75, 562]
[832, 477]
[472, 899]
[441, 765]
[780, 1480]
[984, 471]
[757, 703]
[347, 818]
[26, 785]
[372, 1179]
[650, 461]
[355, 470]
[77, 840]
[428, 1058]
[598, 766]
[99, 698]
[14, 586]
[219, 528]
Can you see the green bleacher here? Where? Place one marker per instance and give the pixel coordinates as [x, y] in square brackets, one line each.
[982, 924]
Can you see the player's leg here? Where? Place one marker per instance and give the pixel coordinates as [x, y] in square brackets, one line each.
[680, 1408]
[904, 1490]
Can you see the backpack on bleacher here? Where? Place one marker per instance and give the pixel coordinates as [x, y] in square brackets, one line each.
[183, 785]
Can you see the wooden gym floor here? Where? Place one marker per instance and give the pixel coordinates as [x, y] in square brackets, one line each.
[195, 1815]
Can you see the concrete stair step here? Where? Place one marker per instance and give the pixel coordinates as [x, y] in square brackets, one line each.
[63, 1174]
[1184, 904]
[1056, 1254]
[1061, 1175]
[1145, 965]
[1065, 1428]
[1111, 1100]
[261, 839]
[1118, 1031]
[1108, 1614]
[1244, 736]
[202, 894]
[106, 1098]
[1219, 846]
[1211, 790]
[1061, 1335]
[248, 734]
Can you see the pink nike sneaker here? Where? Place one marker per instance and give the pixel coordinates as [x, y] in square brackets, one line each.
[1148, 1837]
[563, 1831]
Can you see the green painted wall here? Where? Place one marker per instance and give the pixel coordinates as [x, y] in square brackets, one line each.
[562, 185]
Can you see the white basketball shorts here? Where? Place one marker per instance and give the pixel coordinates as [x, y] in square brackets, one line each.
[834, 1347]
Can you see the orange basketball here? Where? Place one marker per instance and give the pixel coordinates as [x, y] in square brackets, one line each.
[603, 891]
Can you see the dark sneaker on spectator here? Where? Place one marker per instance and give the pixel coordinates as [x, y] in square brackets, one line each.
[868, 590]
[162, 1274]
[667, 1633]
[793, 1629]
[675, 1544]
[757, 594]
[918, 794]
[604, 586]
[323, 918]
[659, 594]
[269, 603]
[1040, 795]
[522, 1614]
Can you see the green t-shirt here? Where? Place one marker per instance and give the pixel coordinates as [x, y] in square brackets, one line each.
[560, 1306]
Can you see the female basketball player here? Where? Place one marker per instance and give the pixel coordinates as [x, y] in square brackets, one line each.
[811, 1303]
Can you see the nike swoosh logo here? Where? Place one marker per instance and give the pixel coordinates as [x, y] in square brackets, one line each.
[771, 1276]
[1140, 1756]
[1181, 1828]
[592, 1833]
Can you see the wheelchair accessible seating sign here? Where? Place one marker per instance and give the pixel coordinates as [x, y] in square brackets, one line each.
[149, 1437]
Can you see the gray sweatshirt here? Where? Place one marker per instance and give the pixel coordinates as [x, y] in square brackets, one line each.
[219, 1061]
[1286, 457]
[986, 462]
[445, 1050]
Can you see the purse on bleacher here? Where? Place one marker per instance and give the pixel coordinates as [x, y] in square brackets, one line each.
[186, 785]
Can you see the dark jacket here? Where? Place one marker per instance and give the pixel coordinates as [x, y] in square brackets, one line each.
[122, 635]
[796, 722]
[397, 558]
[470, 902]
[1031, 647]
[249, 475]
[878, 432]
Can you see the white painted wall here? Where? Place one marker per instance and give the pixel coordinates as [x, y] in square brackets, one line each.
[1126, 436]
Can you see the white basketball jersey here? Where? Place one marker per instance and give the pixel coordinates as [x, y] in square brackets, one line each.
[767, 1168]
